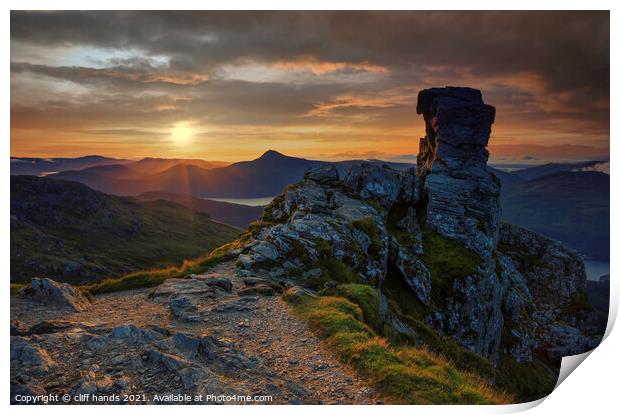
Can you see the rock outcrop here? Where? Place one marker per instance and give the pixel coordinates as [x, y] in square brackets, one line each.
[49, 291]
[462, 195]
[436, 230]
[323, 217]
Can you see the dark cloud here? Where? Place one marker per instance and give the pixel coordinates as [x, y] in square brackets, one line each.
[570, 49]
[544, 71]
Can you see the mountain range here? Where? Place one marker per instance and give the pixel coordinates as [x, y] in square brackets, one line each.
[568, 202]
[105, 166]
[263, 177]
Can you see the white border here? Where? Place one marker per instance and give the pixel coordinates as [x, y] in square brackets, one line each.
[592, 389]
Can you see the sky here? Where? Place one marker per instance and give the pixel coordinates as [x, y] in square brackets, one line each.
[323, 85]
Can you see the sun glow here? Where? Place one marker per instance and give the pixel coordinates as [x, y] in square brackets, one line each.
[182, 133]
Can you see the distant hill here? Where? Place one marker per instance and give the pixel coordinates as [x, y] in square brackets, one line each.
[67, 231]
[533, 197]
[546, 169]
[38, 166]
[262, 177]
[570, 206]
[152, 165]
[105, 166]
[230, 213]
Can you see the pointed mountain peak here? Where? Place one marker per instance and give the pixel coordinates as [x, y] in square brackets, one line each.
[271, 154]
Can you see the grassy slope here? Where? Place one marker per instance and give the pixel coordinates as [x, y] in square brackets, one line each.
[59, 222]
[156, 276]
[407, 375]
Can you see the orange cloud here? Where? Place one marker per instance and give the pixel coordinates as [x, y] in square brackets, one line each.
[385, 99]
[317, 67]
[187, 78]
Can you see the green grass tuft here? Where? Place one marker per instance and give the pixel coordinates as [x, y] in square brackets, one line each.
[446, 260]
[403, 375]
[332, 269]
[365, 297]
[154, 277]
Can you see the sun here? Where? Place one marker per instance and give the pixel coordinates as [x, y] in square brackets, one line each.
[182, 133]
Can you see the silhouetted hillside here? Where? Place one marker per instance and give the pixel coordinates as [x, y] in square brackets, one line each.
[37, 166]
[67, 231]
[572, 207]
[230, 213]
[262, 177]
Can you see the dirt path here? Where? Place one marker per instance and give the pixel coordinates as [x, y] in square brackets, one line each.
[260, 348]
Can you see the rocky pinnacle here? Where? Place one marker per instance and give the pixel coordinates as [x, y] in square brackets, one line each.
[462, 195]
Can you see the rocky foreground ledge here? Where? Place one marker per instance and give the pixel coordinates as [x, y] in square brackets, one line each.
[213, 335]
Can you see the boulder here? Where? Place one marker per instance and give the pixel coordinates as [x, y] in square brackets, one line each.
[381, 183]
[296, 294]
[49, 291]
[134, 335]
[178, 286]
[26, 355]
[221, 282]
[260, 289]
[322, 174]
[184, 308]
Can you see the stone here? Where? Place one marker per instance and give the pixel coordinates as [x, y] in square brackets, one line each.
[245, 261]
[553, 272]
[184, 308]
[378, 222]
[312, 273]
[221, 282]
[260, 289]
[93, 384]
[231, 307]
[265, 251]
[49, 291]
[27, 355]
[378, 182]
[188, 286]
[252, 281]
[50, 326]
[322, 174]
[412, 271]
[563, 340]
[132, 334]
[409, 187]
[297, 294]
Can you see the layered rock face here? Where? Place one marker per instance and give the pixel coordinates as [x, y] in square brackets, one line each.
[435, 233]
[323, 217]
[462, 195]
